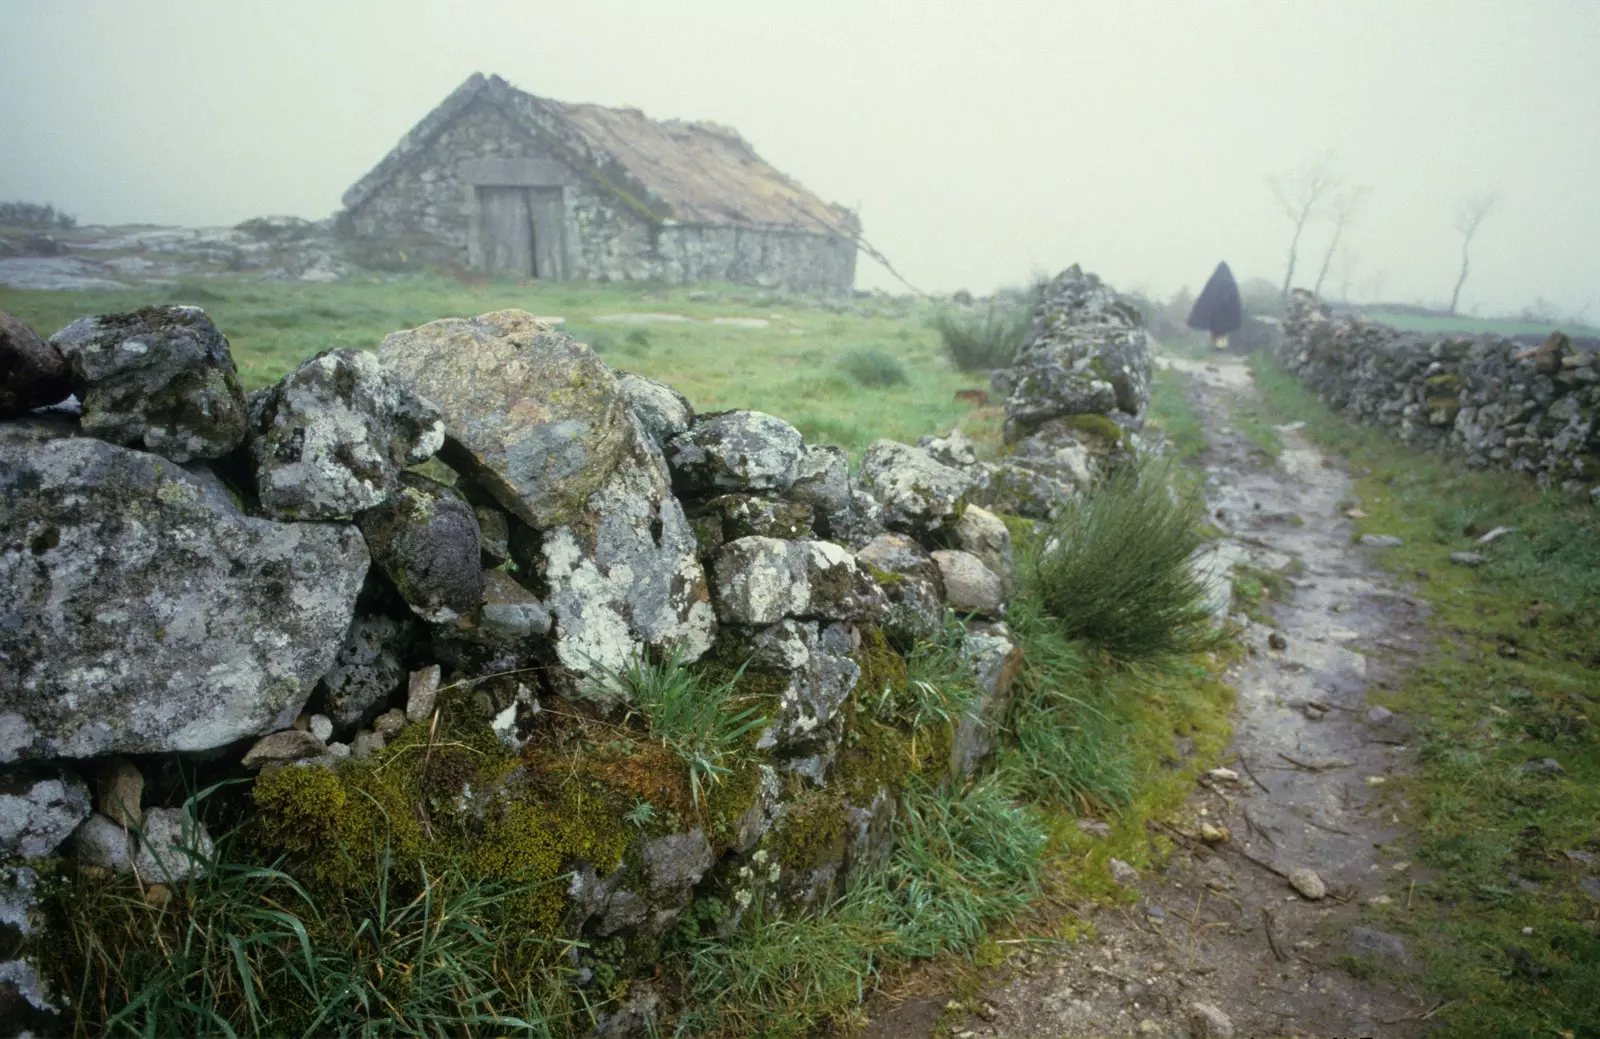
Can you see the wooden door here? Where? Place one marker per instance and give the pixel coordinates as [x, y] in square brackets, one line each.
[548, 238]
[507, 231]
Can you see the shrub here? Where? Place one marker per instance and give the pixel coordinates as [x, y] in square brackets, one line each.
[703, 724]
[873, 367]
[33, 215]
[1114, 567]
[980, 340]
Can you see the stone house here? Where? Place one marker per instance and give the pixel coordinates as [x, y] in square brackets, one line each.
[500, 181]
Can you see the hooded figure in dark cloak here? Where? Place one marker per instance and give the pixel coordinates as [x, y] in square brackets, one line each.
[1217, 310]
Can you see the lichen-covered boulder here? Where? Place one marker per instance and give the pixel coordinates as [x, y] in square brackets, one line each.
[141, 611]
[661, 410]
[763, 580]
[735, 451]
[424, 538]
[1087, 353]
[161, 379]
[39, 810]
[530, 414]
[729, 517]
[807, 724]
[330, 438]
[920, 496]
[969, 586]
[104, 843]
[1020, 488]
[32, 372]
[368, 668]
[912, 583]
[954, 449]
[822, 481]
[537, 421]
[25, 999]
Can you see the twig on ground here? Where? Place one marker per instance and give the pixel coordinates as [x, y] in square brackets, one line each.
[1272, 941]
[1246, 766]
[1329, 767]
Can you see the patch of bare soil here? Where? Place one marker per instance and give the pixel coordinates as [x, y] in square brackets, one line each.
[1250, 928]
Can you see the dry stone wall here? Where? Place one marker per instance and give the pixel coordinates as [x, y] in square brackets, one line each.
[1489, 400]
[474, 535]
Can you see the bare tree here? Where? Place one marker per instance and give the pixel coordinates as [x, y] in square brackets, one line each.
[1300, 195]
[1469, 217]
[1343, 210]
[1346, 263]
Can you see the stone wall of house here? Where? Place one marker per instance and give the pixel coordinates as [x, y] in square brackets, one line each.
[464, 540]
[423, 214]
[1492, 401]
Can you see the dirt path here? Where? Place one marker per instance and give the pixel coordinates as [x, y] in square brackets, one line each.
[1222, 925]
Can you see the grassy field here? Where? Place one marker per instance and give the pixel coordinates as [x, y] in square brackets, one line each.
[1461, 323]
[1507, 916]
[844, 372]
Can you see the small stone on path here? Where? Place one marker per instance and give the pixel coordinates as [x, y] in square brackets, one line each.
[1466, 558]
[1122, 873]
[1495, 535]
[1307, 883]
[1381, 541]
[1543, 767]
[1208, 1022]
[1277, 641]
[1095, 828]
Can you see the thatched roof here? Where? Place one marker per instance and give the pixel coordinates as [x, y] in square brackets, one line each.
[697, 173]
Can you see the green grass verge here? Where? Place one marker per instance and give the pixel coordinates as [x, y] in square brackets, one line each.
[1440, 324]
[834, 370]
[1172, 414]
[1508, 935]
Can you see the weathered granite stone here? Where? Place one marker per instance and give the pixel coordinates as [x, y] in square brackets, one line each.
[746, 515]
[763, 580]
[146, 612]
[969, 586]
[25, 1000]
[735, 451]
[32, 372]
[119, 791]
[1086, 353]
[285, 746]
[628, 574]
[172, 846]
[674, 864]
[330, 438]
[911, 581]
[807, 724]
[102, 842]
[920, 496]
[661, 410]
[494, 536]
[954, 449]
[822, 481]
[981, 533]
[995, 660]
[422, 692]
[39, 810]
[532, 415]
[424, 538]
[161, 379]
[367, 670]
[1018, 488]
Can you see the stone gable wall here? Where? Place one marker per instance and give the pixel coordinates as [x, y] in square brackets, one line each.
[1489, 400]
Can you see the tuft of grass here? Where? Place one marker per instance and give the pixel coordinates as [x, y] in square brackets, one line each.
[965, 860]
[1114, 567]
[980, 340]
[1068, 728]
[871, 366]
[242, 949]
[705, 725]
[1505, 928]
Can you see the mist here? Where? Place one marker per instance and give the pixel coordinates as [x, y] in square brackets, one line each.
[979, 143]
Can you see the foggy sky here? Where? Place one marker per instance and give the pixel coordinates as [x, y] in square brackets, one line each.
[979, 141]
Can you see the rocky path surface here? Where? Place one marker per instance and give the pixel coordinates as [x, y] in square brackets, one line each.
[1251, 935]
